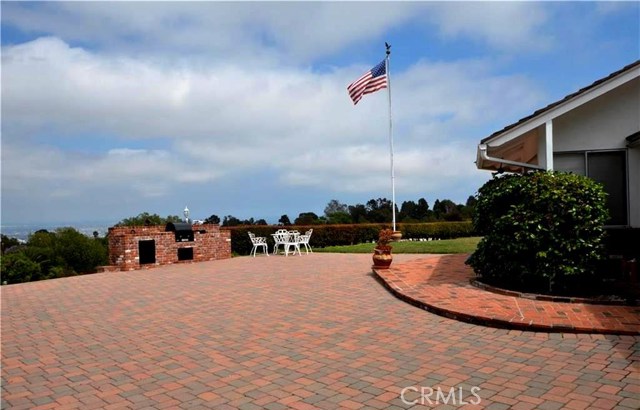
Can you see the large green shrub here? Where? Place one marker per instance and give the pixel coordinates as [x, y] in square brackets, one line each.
[542, 231]
[7, 243]
[48, 255]
[17, 268]
[80, 253]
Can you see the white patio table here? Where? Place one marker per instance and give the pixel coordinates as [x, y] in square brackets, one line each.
[287, 239]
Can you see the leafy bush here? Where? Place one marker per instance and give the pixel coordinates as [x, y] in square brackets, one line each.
[145, 218]
[17, 268]
[80, 253]
[7, 243]
[336, 235]
[41, 250]
[48, 255]
[542, 231]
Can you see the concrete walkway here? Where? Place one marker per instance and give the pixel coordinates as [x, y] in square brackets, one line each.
[305, 332]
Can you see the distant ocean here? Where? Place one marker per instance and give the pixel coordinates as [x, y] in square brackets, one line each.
[22, 231]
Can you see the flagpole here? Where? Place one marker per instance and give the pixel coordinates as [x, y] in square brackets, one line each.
[393, 178]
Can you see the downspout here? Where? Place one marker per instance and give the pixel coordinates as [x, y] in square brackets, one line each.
[482, 150]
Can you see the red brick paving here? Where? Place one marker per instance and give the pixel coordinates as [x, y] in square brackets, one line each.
[305, 332]
[441, 284]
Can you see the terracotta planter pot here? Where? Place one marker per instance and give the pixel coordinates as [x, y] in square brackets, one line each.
[397, 235]
[382, 258]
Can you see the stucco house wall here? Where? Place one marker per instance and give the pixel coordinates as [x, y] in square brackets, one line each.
[600, 124]
[594, 131]
[604, 124]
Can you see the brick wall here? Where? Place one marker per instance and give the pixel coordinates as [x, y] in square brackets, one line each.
[210, 243]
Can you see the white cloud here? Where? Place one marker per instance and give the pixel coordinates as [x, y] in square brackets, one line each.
[255, 33]
[273, 33]
[462, 93]
[141, 103]
[508, 26]
[229, 119]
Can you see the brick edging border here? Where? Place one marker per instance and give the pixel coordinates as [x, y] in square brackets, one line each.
[494, 322]
[551, 298]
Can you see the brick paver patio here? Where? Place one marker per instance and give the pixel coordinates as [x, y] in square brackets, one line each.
[441, 284]
[305, 332]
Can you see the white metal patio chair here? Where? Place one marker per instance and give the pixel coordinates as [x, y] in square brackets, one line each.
[304, 240]
[293, 239]
[258, 242]
[279, 238]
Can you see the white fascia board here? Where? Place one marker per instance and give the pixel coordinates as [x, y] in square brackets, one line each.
[563, 108]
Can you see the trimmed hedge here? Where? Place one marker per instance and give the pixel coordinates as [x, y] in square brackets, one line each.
[337, 235]
[437, 230]
[542, 232]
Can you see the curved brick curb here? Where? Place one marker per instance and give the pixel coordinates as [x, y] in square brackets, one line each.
[551, 298]
[440, 284]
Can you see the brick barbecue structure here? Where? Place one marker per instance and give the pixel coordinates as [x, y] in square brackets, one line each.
[141, 247]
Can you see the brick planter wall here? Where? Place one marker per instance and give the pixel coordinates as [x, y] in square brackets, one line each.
[210, 243]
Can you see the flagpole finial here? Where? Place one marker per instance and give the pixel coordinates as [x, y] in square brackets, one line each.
[388, 47]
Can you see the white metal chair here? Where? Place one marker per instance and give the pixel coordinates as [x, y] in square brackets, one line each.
[279, 238]
[304, 240]
[258, 242]
[293, 239]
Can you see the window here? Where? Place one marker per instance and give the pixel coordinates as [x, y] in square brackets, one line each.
[606, 167]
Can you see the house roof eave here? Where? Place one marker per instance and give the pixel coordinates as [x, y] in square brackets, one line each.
[564, 105]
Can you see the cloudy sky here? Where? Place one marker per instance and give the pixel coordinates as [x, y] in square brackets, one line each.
[110, 109]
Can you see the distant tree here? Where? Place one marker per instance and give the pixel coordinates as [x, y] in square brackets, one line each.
[213, 219]
[147, 219]
[337, 213]
[6, 242]
[422, 210]
[469, 208]
[284, 220]
[379, 210]
[339, 218]
[65, 252]
[335, 206]
[41, 250]
[56, 254]
[407, 211]
[261, 222]
[471, 201]
[307, 218]
[446, 210]
[416, 212]
[80, 253]
[231, 221]
[18, 268]
[437, 209]
[449, 206]
[358, 214]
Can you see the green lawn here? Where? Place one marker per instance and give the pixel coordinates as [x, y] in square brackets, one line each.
[460, 245]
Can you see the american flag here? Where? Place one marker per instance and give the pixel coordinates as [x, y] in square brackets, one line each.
[372, 81]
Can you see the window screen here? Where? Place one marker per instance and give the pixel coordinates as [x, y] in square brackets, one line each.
[609, 168]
